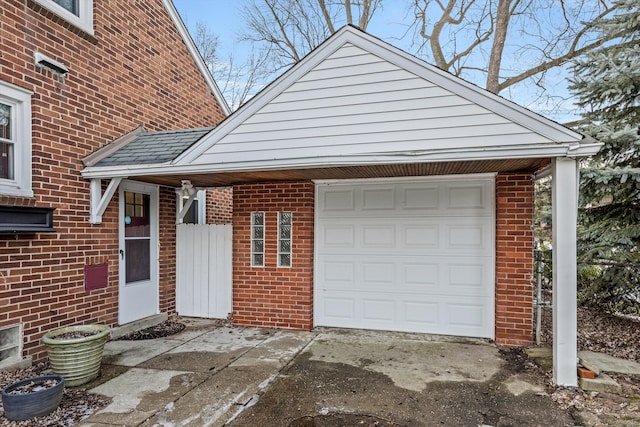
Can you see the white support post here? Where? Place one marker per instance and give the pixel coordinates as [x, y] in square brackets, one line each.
[565, 215]
[99, 202]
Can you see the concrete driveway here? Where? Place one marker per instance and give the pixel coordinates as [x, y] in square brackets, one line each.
[215, 376]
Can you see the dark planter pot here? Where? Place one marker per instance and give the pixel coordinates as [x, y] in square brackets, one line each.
[19, 407]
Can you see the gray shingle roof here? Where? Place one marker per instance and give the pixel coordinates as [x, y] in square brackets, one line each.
[154, 147]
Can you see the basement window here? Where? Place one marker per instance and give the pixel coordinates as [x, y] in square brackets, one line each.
[257, 239]
[284, 238]
[10, 345]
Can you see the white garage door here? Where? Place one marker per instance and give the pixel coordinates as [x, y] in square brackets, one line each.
[414, 256]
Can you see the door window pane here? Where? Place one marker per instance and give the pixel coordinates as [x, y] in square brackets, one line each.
[137, 232]
[137, 220]
[138, 260]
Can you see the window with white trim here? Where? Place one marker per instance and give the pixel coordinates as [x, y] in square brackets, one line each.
[257, 239]
[15, 141]
[77, 12]
[285, 227]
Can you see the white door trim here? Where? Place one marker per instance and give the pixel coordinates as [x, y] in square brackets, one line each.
[153, 191]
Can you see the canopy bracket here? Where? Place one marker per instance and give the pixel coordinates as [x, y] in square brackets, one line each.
[99, 202]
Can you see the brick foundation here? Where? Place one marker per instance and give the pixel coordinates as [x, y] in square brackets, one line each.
[273, 296]
[514, 259]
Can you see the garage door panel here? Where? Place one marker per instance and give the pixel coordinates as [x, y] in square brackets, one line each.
[378, 310]
[466, 197]
[421, 315]
[467, 237]
[337, 236]
[378, 236]
[378, 274]
[412, 237]
[457, 199]
[434, 275]
[338, 273]
[406, 256]
[378, 199]
[338, 199]
[421, 275]
[467, 279]
[426, 236]
[420, 197]
[339, 310]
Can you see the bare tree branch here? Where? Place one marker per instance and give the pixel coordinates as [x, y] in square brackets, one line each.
[572, 53]
[327, 18]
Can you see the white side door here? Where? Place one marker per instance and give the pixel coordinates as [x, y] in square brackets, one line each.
[138, 295]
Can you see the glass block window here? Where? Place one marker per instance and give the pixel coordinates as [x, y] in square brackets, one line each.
[257, 239]
[284, 238]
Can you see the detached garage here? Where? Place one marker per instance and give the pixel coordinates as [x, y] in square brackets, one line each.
[373, 190]
[413, 255]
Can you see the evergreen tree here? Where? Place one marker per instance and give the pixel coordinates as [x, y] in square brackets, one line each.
[607, 85]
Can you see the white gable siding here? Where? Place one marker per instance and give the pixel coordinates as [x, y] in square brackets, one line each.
[354, 102]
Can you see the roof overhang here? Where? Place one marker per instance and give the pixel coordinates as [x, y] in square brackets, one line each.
[471, 160]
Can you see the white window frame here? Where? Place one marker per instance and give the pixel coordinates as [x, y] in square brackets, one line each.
[253, 238]
[85, 9]
[201, 199]
[281, 239]
[20, 101]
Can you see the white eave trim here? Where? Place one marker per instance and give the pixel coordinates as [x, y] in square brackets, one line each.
[188, 41]
[461, 154]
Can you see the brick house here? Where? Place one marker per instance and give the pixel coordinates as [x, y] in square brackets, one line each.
[372, 190]
[75, 76]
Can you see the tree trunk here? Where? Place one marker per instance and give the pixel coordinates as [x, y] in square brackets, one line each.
[503, 16]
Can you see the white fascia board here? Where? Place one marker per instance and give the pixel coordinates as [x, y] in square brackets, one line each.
[193, 50]
[482, 153]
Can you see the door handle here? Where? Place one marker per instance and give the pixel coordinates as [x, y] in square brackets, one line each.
[122, 253]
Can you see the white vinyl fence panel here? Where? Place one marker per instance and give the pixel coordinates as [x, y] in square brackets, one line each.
[203, 270]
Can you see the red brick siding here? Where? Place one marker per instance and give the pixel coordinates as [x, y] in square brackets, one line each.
[220, 205]
[514, 259]
[272, 296]
[134, 71]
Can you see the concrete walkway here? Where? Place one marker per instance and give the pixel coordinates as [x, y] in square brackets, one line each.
[211, 375]
[201, 376]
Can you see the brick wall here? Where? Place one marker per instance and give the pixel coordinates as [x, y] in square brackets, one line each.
[514, 259]
[220, 205]
[134, 71]
[273, 296]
